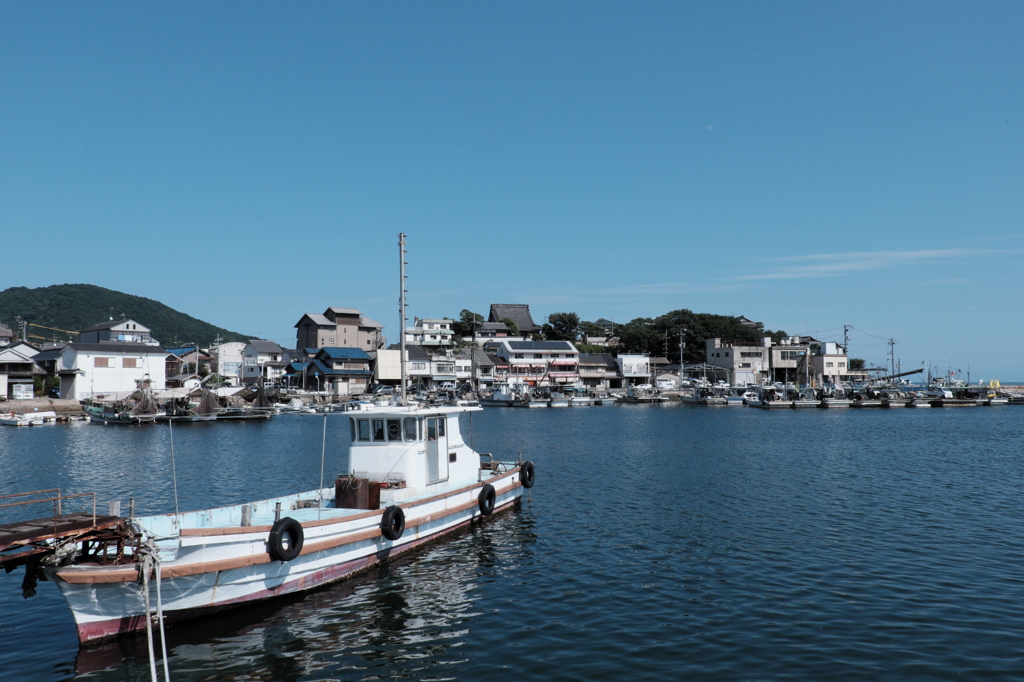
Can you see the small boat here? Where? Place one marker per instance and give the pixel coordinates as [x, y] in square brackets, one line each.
[28, 418]
[642, 393]
[806, 398]
[557, 399]
[834, 398]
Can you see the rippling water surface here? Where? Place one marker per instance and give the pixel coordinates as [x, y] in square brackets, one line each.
[659, 542]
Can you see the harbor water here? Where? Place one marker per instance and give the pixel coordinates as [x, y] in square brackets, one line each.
[660, 542]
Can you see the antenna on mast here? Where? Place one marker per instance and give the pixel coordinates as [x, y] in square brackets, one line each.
[401, 309]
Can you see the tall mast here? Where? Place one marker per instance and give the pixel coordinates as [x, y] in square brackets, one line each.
[401, 309]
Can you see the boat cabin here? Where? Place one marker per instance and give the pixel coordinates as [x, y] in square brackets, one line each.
[411, 450]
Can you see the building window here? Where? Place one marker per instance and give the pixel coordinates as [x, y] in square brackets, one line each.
[102, 362]
[744, 364]
[842, 364]
[130, 363]
[828, 364]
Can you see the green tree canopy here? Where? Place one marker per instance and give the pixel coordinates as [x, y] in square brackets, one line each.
[513, 328]
[464, 325]
[562, 327]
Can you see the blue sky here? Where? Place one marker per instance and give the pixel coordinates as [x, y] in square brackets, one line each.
[805, 164]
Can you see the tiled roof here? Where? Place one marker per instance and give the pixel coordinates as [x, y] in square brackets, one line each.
[263, 346]
[344, 353]
[316, 319]
[517, 312]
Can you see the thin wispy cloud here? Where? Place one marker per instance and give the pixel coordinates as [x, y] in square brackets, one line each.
[838, 264]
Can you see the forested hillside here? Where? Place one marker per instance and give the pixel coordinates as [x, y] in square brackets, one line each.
[74, 307]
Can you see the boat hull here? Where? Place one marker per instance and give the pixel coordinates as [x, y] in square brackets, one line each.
[227, 567]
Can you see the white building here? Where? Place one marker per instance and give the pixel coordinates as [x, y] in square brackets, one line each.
[262, 361]
[227, 361]
[430, 333]
[635, 368]
[88, 369]
[829, 362]
[119, 331]
[17, 371]
[747, 363]
[540, 362]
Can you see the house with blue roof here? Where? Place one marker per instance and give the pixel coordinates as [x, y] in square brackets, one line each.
[339, 371]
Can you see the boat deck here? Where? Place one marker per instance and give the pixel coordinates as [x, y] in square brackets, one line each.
[36, 530]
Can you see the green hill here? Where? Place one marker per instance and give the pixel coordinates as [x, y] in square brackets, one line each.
[75, 307]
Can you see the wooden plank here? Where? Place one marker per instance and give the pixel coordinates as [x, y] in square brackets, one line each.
[36, 530]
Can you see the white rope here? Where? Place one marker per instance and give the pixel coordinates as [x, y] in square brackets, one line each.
[146, 565]
[174, 472]
[323, 456]
[160, 619]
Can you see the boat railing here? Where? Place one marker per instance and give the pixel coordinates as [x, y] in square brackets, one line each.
[57, 500]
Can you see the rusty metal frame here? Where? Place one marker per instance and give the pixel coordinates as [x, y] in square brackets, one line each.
[56, 500]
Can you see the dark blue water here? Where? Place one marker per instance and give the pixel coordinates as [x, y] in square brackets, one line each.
[660, 542]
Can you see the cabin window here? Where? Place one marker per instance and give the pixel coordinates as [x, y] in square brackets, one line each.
[410, 429]
[440, 426]
[394, 429]
[431, 429]
[352, 423]
[364, 429]
[378, 430]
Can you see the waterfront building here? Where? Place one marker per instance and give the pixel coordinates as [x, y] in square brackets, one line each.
[746, 363]
[227, 361]
[634, 368]
[339, 371]
[89, 369]
[599, 370]
[540, 362]
[338, 328]
[262, 361]
[18, 370]
[829, 363]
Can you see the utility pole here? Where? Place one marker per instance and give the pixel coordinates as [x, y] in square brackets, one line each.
[892, 354]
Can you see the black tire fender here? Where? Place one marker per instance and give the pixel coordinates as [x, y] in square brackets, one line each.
[285, 540]
[392, 522]
[486, 499]
[526, 474]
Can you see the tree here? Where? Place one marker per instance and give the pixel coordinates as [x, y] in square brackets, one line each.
[466, 322]
[513, 328]
[562, 327]
[592, 329]
[856, 363]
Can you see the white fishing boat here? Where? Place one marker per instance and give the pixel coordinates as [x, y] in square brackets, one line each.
[411, 478]
[642, 393]
[28, 418]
